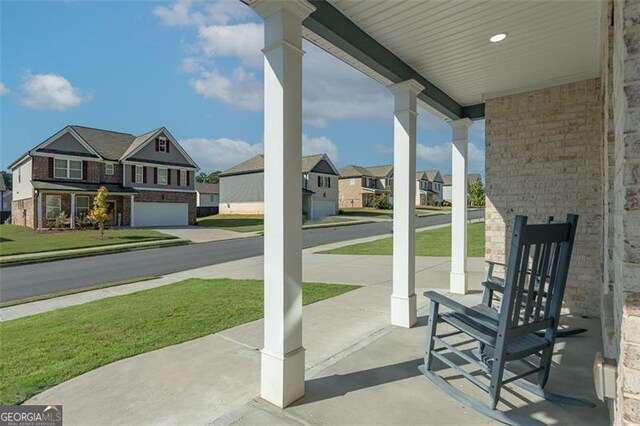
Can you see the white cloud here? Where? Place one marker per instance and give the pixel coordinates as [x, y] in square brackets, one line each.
[332, 89]
[3, 89]
[181, 13]
[319, 145]
[241, 89]
[243, 41]
[220, 154]
[51, 91]
[178, 14]
[439, 157]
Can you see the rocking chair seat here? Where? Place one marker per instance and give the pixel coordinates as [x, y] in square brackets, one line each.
[481, 323]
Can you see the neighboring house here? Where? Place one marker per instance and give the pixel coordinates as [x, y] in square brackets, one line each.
[150, 178]
[208, 194]
[242, 187]
[446, 186]
[423, 189]
[358, 185]
[384, 174]
[436, 182]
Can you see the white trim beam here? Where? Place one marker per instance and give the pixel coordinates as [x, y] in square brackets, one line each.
[282, 358]
[459, 187]
[403, 298]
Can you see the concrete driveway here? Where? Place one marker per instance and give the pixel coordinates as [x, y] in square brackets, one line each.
[202, 234]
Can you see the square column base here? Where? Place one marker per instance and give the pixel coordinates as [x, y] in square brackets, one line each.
[282, 378]
[458, 283]
[404, 311]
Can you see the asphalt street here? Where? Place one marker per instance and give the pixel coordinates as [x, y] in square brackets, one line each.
[18, 282]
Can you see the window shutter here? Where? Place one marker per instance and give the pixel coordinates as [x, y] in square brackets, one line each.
[166, 144]
[133, 174]
[188, 178]
[168, 176]
[319, 181]
[144, 174]
[51, 167]
[155, 175]
[157, 144]
[178, 177]
[328, 182]
[85, 170]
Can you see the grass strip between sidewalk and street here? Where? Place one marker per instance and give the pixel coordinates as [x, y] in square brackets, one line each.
[255, 223]
[44, 350]
[432, 242]
[112, 249]
[16, 239]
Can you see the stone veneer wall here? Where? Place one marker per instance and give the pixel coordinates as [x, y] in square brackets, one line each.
[625, 261]
[544, 157]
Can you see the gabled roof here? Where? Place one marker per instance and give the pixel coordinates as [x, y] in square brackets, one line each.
[110, 145]
[446, 180]
[207, 188]
[420, 175]
[434, 175]
[256, 165]
[137, 142]
[252, 165]
[354, 171]
[381, 171]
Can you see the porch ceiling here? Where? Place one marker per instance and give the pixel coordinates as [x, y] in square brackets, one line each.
[447, 42]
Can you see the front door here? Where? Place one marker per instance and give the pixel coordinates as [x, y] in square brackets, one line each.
[111, 209]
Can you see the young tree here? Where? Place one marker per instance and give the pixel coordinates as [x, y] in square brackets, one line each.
[214, 177]
[202, 177]
[476, 193]
[100, 212]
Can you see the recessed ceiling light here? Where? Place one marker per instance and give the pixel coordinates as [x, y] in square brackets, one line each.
[498, 37]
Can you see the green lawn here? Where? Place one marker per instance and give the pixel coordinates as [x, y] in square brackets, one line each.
[434, 242]
[19, 239]
[44, 350]
[253, 223]
[234, 222]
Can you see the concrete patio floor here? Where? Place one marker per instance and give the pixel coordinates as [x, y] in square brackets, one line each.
[359, 370]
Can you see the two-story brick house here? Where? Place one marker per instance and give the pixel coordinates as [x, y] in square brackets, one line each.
[242, 187]
[150, 178]
[358, 185]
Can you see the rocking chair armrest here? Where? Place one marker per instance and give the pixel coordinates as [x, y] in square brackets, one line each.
[494, 286]
[441, 299]
[494, 263]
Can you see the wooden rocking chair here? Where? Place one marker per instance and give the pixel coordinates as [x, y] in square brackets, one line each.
[534, 286]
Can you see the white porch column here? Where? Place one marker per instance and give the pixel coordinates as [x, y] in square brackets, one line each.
[132, 212]
[282, 366]
[72, 219]
[460, 142]
[403, 299]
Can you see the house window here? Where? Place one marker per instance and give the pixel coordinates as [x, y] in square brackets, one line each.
[162, 144]
[139, 174]
[162, 176]
[212, 198]
[82, 206]
[324, 182]
[183, 178]
[67, 169]
[352, 182]
[108, 169]
[53, 206]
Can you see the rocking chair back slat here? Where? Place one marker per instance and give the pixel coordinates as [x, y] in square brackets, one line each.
[534, 279]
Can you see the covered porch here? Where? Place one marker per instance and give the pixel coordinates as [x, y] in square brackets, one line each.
[557, 95]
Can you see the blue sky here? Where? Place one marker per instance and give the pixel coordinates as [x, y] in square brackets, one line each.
[193, 67]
